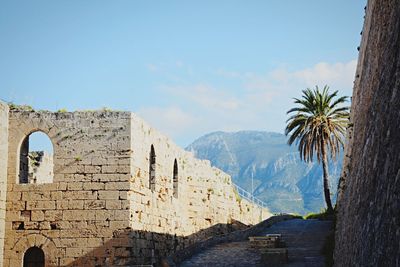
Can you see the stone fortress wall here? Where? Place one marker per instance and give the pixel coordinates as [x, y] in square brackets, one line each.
[122, 193]
[368, 209]
[3, 173]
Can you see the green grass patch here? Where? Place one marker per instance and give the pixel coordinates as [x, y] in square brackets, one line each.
[323, 215]
[13, 106]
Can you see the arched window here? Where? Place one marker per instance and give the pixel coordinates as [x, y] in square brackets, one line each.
[36, 159]
[34, 257]
[175, 179]
[152, 169]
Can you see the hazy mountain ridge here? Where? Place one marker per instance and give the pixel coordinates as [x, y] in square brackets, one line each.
[280, 178]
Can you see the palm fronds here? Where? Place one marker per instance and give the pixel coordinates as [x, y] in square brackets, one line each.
[320, 119]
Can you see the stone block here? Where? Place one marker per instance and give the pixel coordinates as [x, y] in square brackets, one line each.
[80, 195]
[118, 186]
[92, 169]
[93, 186]
[108, 195]
[52, 215]
[62, 204]
[75, 186]
[103, 215]
[125, 204]
[56, 195]
[73, 252]
[119, 224]
[40, 205]
[75, 204]
[78, 215]
[13, 215]
[14, 196]
[113, 204]
[37, 215]
[36, 195]
[120, 215]
[124, 195]
[94, 204]
[43, 225]
[94, 242]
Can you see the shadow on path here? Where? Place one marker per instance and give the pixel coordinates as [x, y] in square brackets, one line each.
[304, 240]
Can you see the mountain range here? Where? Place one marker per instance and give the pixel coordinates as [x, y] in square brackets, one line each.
[264, 164]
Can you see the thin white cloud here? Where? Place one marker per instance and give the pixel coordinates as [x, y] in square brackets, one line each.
[258, 101]
[171, 120]
[339, 74]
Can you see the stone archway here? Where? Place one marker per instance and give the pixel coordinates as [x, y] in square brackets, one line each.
[34, 257]
[26, 246]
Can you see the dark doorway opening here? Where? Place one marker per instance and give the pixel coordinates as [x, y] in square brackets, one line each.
[34, 257]
[152, 169]
[175, 179]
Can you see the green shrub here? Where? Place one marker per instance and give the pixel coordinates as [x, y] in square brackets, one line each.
[13, 106]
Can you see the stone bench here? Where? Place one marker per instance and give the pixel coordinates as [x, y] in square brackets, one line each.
[267, 241]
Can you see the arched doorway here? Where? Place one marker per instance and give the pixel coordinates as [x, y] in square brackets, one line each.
[175, 179]
[34, 257]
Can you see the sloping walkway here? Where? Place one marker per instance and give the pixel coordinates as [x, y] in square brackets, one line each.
[304, 240]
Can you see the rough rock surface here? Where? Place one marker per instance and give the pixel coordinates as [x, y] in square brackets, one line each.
[368, 228]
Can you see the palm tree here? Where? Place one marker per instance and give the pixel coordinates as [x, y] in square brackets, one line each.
[319, 125]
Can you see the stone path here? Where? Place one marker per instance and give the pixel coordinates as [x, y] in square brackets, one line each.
[304, 240]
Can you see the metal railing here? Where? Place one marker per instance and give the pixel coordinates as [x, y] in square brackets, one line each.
[249, 196]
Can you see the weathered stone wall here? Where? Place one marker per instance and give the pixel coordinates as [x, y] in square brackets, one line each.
[3, 172]
[368, 226]
[87, 200]
[99, 209]
[205, 194]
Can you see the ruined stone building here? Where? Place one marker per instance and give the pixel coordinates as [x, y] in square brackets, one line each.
[119, 192]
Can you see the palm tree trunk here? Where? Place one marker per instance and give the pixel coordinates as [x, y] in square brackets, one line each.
[327, 192]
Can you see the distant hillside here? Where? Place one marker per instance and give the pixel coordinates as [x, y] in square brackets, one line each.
[280, 178]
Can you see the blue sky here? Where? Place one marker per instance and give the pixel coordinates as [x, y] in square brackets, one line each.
[187, 67]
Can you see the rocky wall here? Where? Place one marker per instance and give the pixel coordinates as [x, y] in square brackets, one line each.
[87, 201]
[3, 172]
[368, 219]
[205, 196]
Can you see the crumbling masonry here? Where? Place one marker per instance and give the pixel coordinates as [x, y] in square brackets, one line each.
[122, 193]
